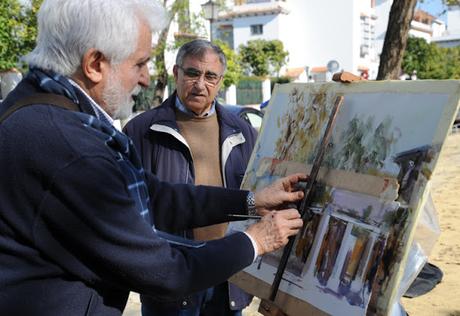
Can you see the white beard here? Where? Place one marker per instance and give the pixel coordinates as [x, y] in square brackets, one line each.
[119, 104]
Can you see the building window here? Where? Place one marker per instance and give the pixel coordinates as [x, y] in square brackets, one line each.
[257, 29]
[225, 33]
[367, 36]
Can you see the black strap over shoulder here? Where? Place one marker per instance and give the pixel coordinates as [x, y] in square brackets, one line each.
[41, 98]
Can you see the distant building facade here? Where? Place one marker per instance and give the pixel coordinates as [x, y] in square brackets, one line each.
[315, 32]
[451, 37]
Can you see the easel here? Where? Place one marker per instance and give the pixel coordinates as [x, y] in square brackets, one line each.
[269, 307]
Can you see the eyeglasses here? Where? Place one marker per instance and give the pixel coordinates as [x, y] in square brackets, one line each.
[193, 75]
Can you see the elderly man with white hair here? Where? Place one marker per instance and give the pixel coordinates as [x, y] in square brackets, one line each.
[77, 215]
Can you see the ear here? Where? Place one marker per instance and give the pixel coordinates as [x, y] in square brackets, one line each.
[94, 65]
[221, 81]
[175, 71]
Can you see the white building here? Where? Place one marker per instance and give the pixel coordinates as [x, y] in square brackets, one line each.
[423, 25]
[312, 31]
[451, 37]
[315, 32]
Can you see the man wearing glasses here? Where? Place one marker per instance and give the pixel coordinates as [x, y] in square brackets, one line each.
[191, 138]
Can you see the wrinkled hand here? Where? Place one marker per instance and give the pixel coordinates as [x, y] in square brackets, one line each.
[279, 193]
[273, 230]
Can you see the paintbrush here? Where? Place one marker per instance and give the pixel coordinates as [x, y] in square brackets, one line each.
[242, 217]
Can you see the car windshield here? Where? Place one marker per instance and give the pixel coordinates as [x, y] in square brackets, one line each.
[254, 119]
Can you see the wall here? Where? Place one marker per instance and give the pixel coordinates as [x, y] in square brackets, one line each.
[241, 28]
[453, 19]
[323, 30]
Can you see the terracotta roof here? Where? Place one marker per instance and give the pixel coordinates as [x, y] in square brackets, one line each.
[319, 69]
[372, 16]
[251, 11]
[421, 15]
[294, 72]
[424, 18]
[184, 35]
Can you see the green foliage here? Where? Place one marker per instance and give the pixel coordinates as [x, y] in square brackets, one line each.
[190, 27]
[18, 31]
[301, 126]
[178, 10]
[262, 57]
[431, 61]
[365, 145]
[452, 62]
[234, 71]
[425, 58]
[367, 212]
[278, 80]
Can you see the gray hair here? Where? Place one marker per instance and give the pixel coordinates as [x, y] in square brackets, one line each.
[69, 28]
[198, 48]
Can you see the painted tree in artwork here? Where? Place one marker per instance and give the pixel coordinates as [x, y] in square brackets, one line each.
[353, 151]
[289, 124]
[363, 150]
[378, 149]
[300, 126]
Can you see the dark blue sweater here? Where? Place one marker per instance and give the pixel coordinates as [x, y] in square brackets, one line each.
[71, 239]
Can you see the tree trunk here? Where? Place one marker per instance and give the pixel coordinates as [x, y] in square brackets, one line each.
[401, 14]
[178, 6]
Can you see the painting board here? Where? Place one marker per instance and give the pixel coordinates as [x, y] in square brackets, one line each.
[384, 146]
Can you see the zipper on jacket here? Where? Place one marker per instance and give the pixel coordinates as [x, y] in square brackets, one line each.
[227, 146]
[175, 133]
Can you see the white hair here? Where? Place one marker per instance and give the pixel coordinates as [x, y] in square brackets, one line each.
[67, 29]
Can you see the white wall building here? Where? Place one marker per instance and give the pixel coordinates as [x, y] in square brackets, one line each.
[423, 25]
[451, 37]
[317, 31]
[313, 31]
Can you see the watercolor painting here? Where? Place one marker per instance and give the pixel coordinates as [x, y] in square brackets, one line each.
[383, 150]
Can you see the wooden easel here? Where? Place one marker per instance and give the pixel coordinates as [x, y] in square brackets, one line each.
[269, 307]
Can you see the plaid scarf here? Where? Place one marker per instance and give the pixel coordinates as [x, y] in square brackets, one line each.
[117, 141]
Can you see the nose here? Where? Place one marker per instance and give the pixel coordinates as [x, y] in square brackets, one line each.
[144, 79]
[200, 82]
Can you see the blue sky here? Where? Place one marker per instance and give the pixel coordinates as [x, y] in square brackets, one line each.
[434, 7]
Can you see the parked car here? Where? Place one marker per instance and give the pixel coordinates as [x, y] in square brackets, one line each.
[251, 115]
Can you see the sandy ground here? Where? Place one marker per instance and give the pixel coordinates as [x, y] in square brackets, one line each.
[444, 300]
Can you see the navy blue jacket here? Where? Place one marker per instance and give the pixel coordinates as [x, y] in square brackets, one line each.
[165, 152]
[71, 239]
